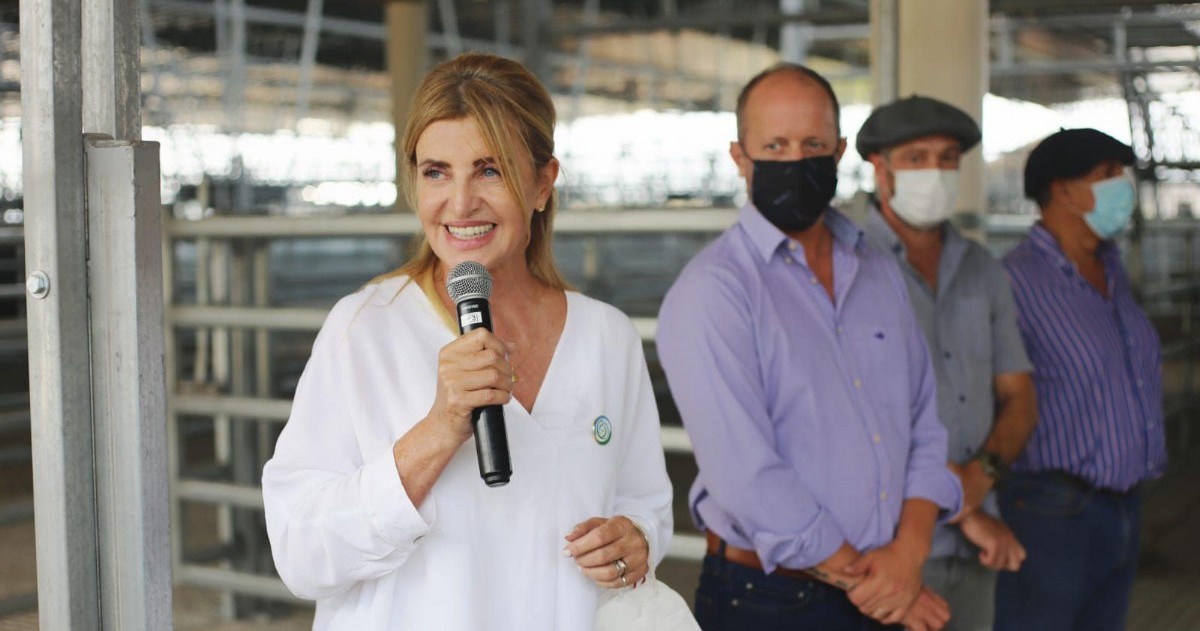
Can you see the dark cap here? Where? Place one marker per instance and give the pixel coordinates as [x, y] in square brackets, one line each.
[914, 117]
[1068, 154]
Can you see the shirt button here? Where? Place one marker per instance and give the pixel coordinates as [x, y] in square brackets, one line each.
[788, 260]
[883, 496]
[1139, 383]
[858, 383]
[962, 399]
[813, 280]
[947, 354]
[875, 438]
[792, 245]
[841, 330]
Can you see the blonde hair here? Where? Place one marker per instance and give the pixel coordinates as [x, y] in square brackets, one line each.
[514, 113]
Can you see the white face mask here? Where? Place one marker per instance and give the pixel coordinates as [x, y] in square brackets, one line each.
[924, 198]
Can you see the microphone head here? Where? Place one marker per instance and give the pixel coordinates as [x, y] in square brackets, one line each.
[469, 280]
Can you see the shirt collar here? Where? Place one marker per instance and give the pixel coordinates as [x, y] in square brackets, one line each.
[881, 235]
[767, 239]
[1045, 243]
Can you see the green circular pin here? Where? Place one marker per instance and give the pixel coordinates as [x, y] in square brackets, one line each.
[602, 430]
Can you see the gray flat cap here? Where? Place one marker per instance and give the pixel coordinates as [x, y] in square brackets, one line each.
[914, 117]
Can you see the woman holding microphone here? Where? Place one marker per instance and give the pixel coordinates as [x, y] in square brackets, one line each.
[374, 503]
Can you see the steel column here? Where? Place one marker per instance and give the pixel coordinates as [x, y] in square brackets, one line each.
[128, 395]
[60, 388]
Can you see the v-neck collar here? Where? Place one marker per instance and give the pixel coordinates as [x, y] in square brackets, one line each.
[434, 304]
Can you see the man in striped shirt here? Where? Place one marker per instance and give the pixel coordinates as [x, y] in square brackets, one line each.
[1073, 498]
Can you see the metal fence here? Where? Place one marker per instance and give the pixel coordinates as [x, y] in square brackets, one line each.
[230, 330]
[230, 321]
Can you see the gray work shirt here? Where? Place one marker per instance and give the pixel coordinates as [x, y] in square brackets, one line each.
[970, 325]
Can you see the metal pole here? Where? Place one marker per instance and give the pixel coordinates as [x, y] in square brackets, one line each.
[794, 37]
[502, 17]
[171, 370]
[308, 57]
[129, 403]
[591, 11]
[534, 22]
[885, 66]
[60, 389]
[112, 68]
[454, 44]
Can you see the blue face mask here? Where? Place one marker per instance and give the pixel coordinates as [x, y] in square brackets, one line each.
[1115, 199]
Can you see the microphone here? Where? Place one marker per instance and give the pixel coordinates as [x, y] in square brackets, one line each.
[470, 286]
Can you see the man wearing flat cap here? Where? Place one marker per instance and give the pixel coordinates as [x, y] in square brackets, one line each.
[965, 307]
[1072, 498]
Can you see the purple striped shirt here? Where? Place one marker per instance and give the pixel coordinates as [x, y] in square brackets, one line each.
[812, 420]
[1097, 368]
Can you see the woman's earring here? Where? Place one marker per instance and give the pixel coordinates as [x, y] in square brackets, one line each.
[539, 209]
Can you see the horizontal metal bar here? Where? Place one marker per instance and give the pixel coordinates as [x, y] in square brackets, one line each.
[686, 547]
[397, 224]
[14, 327]
[851, 24]
[15, 604]
[14, 400]
[16, 512]
[14, 420]
[1158, 290]
[1027, 68]
[390, 224]
[278, 17]
[212, 554]
[275, 318]
[675, 440]
[240, 582]
[13, 345]
[236, 407]
[1179, 406]
[1177, 16]
[646, 328]
[683, 547]
[1184, 348]
[298, 319]
[12, 290]
[15, 453]
[219, 493]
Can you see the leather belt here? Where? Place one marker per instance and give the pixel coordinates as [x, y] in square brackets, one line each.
[749, 558]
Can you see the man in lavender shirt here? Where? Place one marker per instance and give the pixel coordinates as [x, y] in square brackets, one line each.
[805, 385]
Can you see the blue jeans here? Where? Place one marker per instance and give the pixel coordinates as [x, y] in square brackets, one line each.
[1082, 549]
[969, 589]
[733, 597]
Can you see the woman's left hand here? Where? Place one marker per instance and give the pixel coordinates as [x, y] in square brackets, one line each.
[597, 544]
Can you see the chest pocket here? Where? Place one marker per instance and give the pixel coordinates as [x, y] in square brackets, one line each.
[972, 329]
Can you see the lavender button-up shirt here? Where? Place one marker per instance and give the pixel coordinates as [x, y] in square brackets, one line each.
[812, 421]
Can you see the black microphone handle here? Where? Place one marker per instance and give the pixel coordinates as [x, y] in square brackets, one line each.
[491, 439]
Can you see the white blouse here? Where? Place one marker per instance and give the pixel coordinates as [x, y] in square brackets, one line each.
[343, 531]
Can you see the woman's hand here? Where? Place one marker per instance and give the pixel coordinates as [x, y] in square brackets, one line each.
[473, 372]
[598, 544]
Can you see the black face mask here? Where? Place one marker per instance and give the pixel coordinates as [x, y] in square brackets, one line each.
[793, 194]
